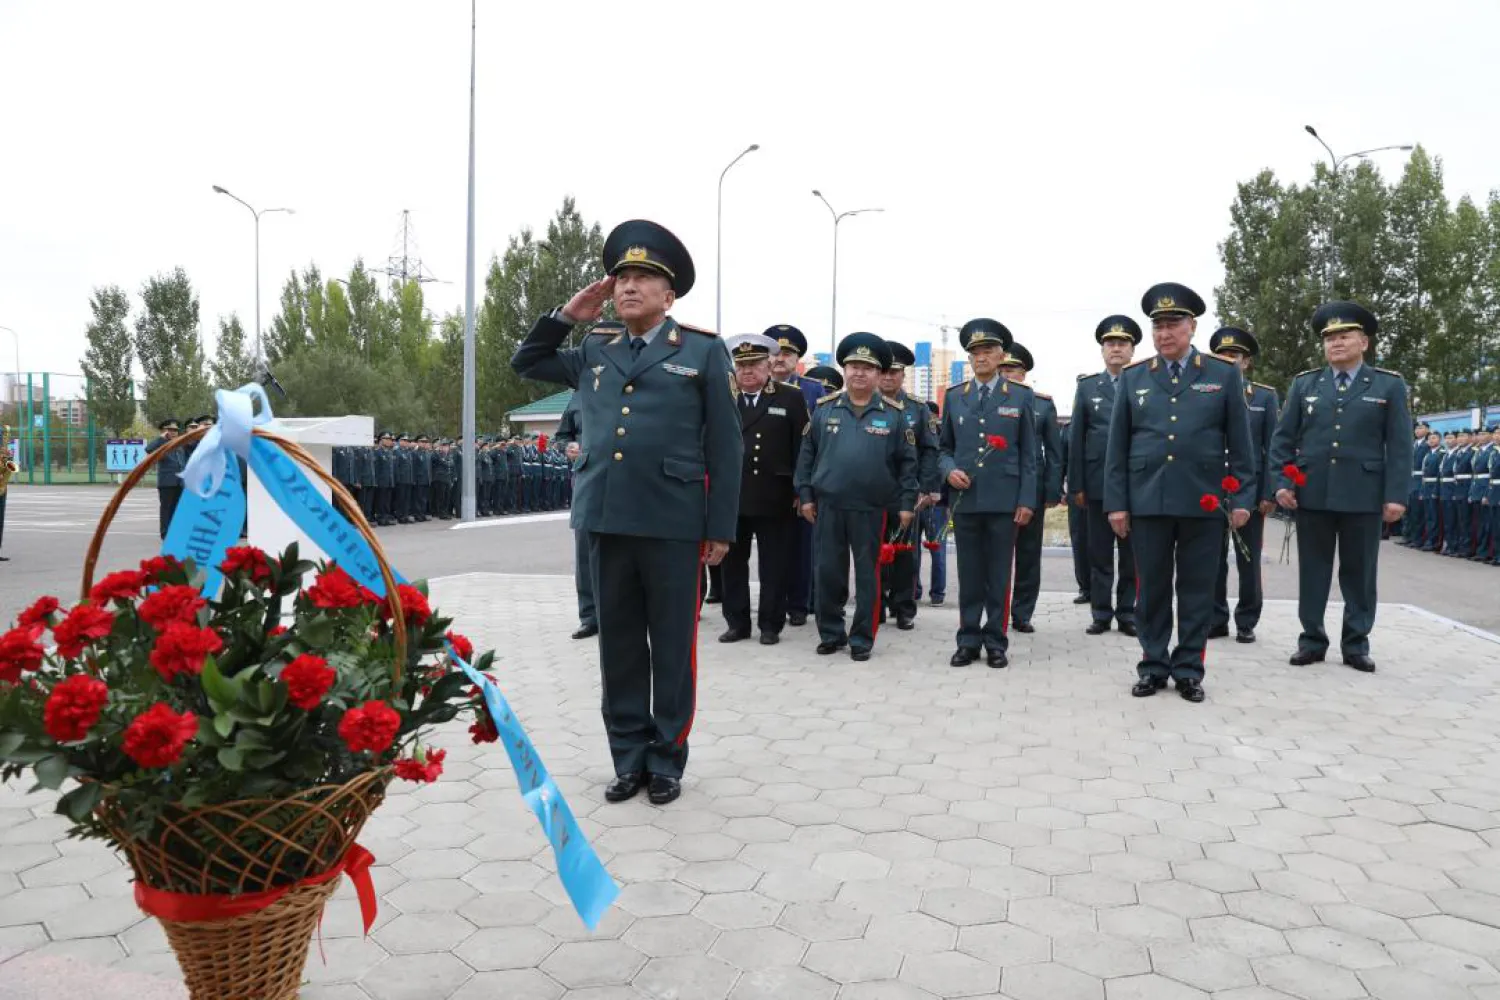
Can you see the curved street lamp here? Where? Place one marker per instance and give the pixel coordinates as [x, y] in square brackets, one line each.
[257, 214]
[833, 323]
[719, 244]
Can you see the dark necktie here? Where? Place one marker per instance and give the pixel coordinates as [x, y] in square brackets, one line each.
[1175, 369]
[637, 345]
[984, 395]
[1343, 381]
[746, 402]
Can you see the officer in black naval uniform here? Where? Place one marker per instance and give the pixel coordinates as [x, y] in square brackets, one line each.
[1178, 419]
[898, 581]
[792, 346]
[657, 486]
[992, 484]
[1241, 348]
[1028, 569]
[1093, 406]
[168, 473]
[1344, 427]
[772, 416]
[858, 461]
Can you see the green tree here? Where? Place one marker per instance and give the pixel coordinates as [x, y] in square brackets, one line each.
[325, 380]
[108, 361]
[370, 327]
[232, 366]
[1417, 262]
[170, 347]
[413, 326]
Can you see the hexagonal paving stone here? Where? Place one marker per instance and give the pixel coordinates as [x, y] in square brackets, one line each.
[1010, 882]
[1154, 987]
[759, 948]
[1052, 916]
[877, 896]
[577, 964]
[964, 907]
[423, 933]
[852, 865]
[450, 863]
[1004, 944]
[1307, 978]
[758, 830]
[852, 961]
[912, 933]
[416, 977]
[950, 974]
[824, 921]
[787, 983]
[738, 910]
[96, 918]
[442, 895]
[703, 847]
[1239, 936]
[515, 984]
[1203, 967]
[663, 937]
[348, 960]
[1391, 983]
[658, 899]
[1337, 948]
[686, 976]
[498, 948]
[798, 886]
[1143, 923]
[1050, 981]
[1270, 909]
[505, 909]
[718, 876]
[1101, 955]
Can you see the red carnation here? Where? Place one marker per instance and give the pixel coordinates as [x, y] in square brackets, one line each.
[122, 586]
[246, 559]
[276, 630]
[39, 613]
[158, 567]
[74, 707]
[931, 546]
[1296, 475]
[1229, 484]
[887, 553]
[414, 606]
[307, 680]
[483, 730]
[370, 727]
[426, 765]
[20, 651]
[155, 738]
[997, 441]
[335, 589]
[462, 646]
[84, 624]
[181, 649]
[1209, 502]
[179, 603]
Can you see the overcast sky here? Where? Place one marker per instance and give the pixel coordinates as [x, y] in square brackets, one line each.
[1042, 165]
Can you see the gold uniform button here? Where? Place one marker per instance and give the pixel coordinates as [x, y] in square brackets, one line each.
[757, 435]
[1172, 398]
[1338, 427]
[981, 421]
[1169, 458]
[629, 389]
[619, 432]
[619, 455]
[1333, 461]
[1171, 437]
[1335, 444]
[1174, 418]
[625, 410]
[757, 447]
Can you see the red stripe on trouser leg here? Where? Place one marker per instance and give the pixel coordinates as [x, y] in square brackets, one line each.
[875, 612]
[1010, 583]
[697, 615]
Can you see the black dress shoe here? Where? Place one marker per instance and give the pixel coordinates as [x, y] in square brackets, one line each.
[1190, 690]
[1245, 635]
[623, 787]
[826, 648]
[1147, 686]
[962, 657]
[713, 599]
[1128, 628]
[796, 618]
[663, 789]
[586, 632]
[4, 558]
[1360, 662]
[1219, 632]
[1082, 599]
[734, 635]
[1025, 627]
[859, 655]
[936, 602]
[770, 638]
[1097, 628]
[1303, 657]
[905, 624]
[995, 659]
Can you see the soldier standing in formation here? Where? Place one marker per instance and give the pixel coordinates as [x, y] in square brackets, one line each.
[1088, 433]
[899, 579]
[772, 417]
[988, 456]
[932, 528]
[658, 485]
[1077, 522]
[1412, 524]
[570, 434]
[858, 461]
[1028, 570]
[168, 473]
[1177, 418]
[1479, 495]
[421, 460]
[1240, 347]
[1344, 429]
[792, 348]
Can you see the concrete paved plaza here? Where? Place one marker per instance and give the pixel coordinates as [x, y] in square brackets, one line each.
[899, 830]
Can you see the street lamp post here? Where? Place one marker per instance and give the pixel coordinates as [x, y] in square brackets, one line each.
[719, 246]
[833, 323]
[1337, 162]
[257, 214]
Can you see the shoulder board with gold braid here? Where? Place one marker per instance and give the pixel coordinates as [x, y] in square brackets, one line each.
[893, 402]
[1215, 357]
[695, 329]
[1040, 395]
[1310, 371]
[959, 386]
[1087, 375]
[1387, 371]
[831, 395]
[1262, 385]
[1143, 361]
[783, 385]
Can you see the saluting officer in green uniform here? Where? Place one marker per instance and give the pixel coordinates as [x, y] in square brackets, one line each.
[1179, 422]
[1028, 584]
[1241, 348]
[898, 581]
[657, 486]
[988, 456]
[168, 474]
[858, 461]
[1345, 428]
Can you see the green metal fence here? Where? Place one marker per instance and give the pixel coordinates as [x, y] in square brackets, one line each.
[55, 440]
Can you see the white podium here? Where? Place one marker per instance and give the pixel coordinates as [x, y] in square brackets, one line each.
[267, 527]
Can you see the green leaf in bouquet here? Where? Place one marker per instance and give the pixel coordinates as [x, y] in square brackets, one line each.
[261, 759]
[223, 692]
[79, 804]
[52, 771]
[232, 758]
[270, 699]
[10, 743]
[223, 724]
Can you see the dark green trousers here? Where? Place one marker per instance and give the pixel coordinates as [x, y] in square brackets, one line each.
[648, 635]
[1356, 537]
[898, 581]
[838, 536]
[583, 579]
[1028, 582]
[1184, 550]
[1248, 606]
[986, 543]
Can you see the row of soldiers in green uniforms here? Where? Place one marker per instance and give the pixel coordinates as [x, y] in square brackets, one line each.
[1454, 499]
[404, 480]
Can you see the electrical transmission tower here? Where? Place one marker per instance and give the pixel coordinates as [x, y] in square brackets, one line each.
[404, 264]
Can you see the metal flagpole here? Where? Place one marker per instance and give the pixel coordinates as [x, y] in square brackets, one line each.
[470, 452]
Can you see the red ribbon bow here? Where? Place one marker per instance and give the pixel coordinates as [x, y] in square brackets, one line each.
[190, 908]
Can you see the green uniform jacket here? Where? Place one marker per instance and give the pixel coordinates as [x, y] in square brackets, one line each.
[864, 462]
[661, 449]
[1001, 479]
[1169, 445]
[1264, 406]
[1088, 430]
[924, 425]
[1049, 484]
[1352, 446]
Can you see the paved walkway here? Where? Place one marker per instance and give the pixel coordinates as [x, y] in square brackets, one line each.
[898, 830]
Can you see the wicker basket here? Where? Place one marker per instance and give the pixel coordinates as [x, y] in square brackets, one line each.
[252, 845]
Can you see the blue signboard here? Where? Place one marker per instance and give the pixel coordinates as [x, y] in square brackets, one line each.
[123, 455]
[923, 353]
